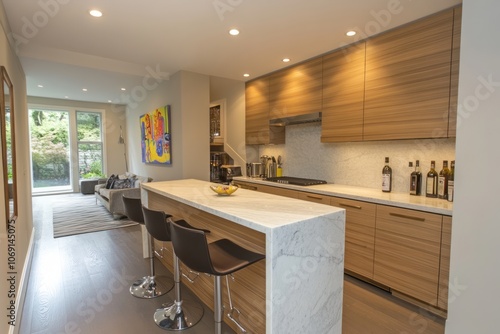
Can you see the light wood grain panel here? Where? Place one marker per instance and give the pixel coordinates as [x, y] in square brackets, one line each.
[407, 83]
[455, 66]
[296, 90]
[407, 252]
[277, 191]
[444, 268]
[359, 235]
[249, 286]
[316, 198]
[343, 94]
[257, 129]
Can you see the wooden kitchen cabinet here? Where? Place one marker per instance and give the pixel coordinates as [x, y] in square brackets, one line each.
[296, 90]
[407, 252]
[316, 198]
[267, 189]
[444, 270]
[407, 85]
[359, 235]
[257, 129]
[343, 94]
[455, 64]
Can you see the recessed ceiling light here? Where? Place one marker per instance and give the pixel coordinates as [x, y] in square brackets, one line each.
[285, 60]
[95, 13]
[234, 32]
[246, 75]
[84, 89]
[350, 33]
[123, 89]
[40, 86]
[109, 101]
[66, 97]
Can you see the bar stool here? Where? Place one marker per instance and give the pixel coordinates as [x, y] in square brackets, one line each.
[220, 258]
[181, 314]
[149, 286]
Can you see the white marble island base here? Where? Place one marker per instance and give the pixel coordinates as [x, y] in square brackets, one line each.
[304, 248]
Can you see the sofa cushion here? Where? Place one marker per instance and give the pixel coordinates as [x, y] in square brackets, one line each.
[104, 192]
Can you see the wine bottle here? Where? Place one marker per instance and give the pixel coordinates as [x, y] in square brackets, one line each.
[451, 182]
[416, 180]
[443, 181]
[432, 181]
[387, 177]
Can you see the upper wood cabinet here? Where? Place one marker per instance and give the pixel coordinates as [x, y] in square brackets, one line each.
[343, 94]
[407, 86]
[455, 64]
[407, 252]
[296, 90]
[257, 129]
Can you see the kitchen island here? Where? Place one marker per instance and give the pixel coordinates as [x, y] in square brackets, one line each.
[298, 288]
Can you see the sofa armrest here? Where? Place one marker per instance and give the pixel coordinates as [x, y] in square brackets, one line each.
[116, 205]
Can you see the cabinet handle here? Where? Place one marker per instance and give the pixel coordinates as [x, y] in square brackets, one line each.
[351, 206]
[407, 217]
[250, 188]
[314, 197]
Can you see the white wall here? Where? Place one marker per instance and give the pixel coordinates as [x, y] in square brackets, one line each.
[475, 266]
[187, 94]
[356, 164]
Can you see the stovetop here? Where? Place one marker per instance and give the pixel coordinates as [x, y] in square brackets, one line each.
[295, 180]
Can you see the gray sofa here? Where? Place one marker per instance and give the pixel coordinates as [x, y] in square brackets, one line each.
[112, 198]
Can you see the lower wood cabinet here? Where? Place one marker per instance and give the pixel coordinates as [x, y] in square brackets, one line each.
[359, 235]
[267, 189]
[444, 269]
[407, 252]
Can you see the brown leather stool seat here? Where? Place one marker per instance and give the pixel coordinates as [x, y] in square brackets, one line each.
[219, 258]
[150, 286]
[181, 314]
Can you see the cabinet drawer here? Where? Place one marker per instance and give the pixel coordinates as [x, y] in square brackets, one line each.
[321, 199]
[277, 191]
[359, 235]
[407, 252]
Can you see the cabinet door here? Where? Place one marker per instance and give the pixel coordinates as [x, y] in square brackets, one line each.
[343, 94]
[407, 252]
[359, 235]
[296, 90]
[455, 64]
[444, 270]
[407, 88]
[257, 130]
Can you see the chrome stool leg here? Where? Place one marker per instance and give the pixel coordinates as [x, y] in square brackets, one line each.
[217, 305]
[151, 286]
[181, 314]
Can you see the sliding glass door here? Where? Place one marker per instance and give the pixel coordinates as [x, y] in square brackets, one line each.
[66, 146]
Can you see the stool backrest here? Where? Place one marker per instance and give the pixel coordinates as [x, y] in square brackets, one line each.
[133, 209]
[191, 247]
[156, 224]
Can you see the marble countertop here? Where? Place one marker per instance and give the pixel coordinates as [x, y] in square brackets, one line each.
[259, 211]
[402, 200]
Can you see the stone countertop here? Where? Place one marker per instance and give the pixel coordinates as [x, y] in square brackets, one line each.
[259, 211]
[402, 200]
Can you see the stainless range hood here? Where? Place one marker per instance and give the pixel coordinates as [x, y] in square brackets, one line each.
[314, 117]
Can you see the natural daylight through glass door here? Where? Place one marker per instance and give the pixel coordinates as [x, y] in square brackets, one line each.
[66, 146]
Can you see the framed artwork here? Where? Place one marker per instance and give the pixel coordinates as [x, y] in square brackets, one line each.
[155, 137]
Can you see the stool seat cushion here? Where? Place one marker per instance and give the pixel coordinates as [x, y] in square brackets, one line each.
[227, 257]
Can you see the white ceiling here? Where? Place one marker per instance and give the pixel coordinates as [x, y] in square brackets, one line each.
[64, 49]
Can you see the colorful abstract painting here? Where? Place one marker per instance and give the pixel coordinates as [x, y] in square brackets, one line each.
[155, 137]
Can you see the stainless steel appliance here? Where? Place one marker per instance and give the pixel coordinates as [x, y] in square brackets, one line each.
[255, 169]
[228, 172]
[295, 181]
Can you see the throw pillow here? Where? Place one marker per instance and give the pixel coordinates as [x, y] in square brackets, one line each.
[121, 184]
[110, 181]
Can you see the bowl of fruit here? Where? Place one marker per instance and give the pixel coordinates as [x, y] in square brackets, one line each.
[224, 190]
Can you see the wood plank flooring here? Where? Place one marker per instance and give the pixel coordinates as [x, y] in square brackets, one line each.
[79, 284]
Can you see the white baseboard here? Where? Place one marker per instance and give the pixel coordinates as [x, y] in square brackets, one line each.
[23, 283]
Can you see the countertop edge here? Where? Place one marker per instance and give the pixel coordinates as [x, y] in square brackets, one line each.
[403, 202]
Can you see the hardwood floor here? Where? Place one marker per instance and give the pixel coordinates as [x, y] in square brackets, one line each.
[79, 284]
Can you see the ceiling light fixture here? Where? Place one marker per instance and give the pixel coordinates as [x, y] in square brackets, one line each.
[350, 33]
[246, 75]
[40, 86]
[95, 13]
[285, 60]
[123, 89]
[234, 32]
[84, 89]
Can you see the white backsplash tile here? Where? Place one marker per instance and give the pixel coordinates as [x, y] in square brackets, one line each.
[356, 164]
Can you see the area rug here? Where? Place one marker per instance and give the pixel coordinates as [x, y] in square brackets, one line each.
[77, 214]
